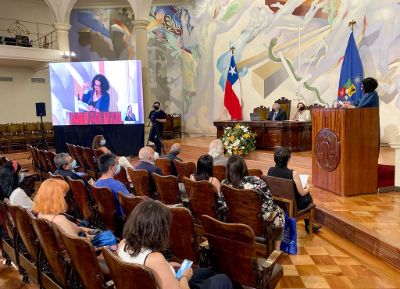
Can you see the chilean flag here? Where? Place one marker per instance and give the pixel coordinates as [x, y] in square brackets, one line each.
[232, 93]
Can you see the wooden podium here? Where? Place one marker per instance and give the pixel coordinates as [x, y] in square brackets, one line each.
[345, 144]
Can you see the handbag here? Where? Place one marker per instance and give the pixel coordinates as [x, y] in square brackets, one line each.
[105, 238]
[289, 242]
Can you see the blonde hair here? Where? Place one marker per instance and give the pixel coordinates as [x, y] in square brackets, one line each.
[50, 198]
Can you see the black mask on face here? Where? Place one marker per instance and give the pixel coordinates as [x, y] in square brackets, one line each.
[301, 108]
[156, 107]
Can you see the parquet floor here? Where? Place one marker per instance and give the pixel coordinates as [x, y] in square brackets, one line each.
[326, 261]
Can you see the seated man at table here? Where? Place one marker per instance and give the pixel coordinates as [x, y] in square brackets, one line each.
[147, 157]
[277, 113]
[109, 167]
[65, 165]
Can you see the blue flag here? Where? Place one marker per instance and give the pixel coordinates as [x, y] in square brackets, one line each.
[351, 74]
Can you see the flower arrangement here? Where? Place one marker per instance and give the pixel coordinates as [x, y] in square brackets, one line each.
[239, 140]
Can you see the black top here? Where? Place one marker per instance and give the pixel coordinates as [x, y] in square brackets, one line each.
[153, 115]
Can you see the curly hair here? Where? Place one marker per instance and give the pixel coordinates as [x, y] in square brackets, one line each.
[104, 84]
[50, 198]
[147, 227]
[369, 84]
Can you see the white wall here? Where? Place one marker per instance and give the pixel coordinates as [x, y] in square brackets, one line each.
[18, 98]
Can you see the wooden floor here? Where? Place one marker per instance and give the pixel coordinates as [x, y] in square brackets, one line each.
[328, 260]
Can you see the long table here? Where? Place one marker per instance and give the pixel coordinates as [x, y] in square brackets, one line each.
[295, 135]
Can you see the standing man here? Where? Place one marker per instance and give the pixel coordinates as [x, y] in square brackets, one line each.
[277, 113]
[157, 117]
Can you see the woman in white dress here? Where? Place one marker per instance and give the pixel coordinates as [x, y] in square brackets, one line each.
[302, 114]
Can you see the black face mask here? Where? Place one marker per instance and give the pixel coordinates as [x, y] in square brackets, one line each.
[156, 107]
[301, 108]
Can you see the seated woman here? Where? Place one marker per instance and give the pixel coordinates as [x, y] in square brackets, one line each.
[50, 204]
[9, 186]
[204, 171]
[302, 114]
[146, 235]
[303, 197]
[238, 177]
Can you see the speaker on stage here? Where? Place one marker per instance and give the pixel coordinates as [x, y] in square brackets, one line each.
[40, 109]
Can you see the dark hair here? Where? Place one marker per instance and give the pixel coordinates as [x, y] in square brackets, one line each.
[236, 170]
[104, 84]
[369, 84]
[96, 141]
[157, 103]
[105, 161]
[8, 180]
[147, 227]
[282, 156]
[204, 169]
[301, 104]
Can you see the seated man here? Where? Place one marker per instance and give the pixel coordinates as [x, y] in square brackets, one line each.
[109, 167]
[146, 157]
[173, 155]
[216, 150]
[277, 113]
[65, 165]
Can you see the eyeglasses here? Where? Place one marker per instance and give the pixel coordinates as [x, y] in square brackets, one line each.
[97, 85]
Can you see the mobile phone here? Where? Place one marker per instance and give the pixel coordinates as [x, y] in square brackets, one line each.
[186, 264]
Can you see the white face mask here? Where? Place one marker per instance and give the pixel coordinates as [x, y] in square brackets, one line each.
[21, 177]
[156, 155]
[103, 142]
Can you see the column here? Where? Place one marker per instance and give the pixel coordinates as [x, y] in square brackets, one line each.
[396, 146]
[140, 31]
[62, 30]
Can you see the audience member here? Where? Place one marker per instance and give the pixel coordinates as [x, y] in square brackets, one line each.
[204, 171]
[50, 204]
[65, 165]
[280, 170]
[9, 186]
[147, 157]
[146, 236]
[302, 114]
[173, 155]
[238, 177]
[216, 150]
[277, 113]
[109, 167]
[99, 142]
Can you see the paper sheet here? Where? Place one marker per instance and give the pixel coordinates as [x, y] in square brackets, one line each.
[304, 180]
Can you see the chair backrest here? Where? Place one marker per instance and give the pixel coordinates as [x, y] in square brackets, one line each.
[184, 169]
[79, 157]
[6, 221]
[167, 188]
[202, 198]
[219, 172]
[262, 112]
[164, 165]
[71, 150]
[282, 188]
[89, 157]
[58, 177]
[50, 159]
[233, 246]
[105, 204]
[140, 181]
[123, 177]
[182, 237]
[244, 207]
[26, 232]
[128, 275]
[255, 172]
[51, 249]
[285, 105]
[128, 203]
[43, 161]
[98, 152]
[81, 197]
[83, 259]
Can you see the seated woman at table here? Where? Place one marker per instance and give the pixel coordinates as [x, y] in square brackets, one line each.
[282, 157]
[302, 114]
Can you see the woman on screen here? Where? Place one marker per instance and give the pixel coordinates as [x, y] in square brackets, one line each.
[98, 98]
[130, 116]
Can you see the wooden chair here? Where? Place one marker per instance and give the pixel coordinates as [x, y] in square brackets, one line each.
[285, 105]
[234, 250]
[123, 178]
[262, 112]
[128, 203]
[184, 169]
[79, 157]
[168, 131]
[34, 159]
[255, 172]
[244, 206]
[219, 172]
[92, 169]
[97, 153]
[283, 192]
[182, 237]
[50, 160]
[9, 246]
[202, 199]
[168, 189]
[84, 261]
[55, 255]
[71, 151]
[81, 197]
[140, 181]
[177, 124]
[44, 165]
[16, 137]
[164, 165]
[106, 207]
[128, 275]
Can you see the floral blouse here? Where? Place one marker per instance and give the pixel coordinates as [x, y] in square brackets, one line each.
[268, 205]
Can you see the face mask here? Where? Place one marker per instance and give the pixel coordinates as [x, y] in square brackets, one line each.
[103, 142]
[74, 164]
[156, 155]
[21, 177]
[301, 108]
[117, 169]
[156, 107]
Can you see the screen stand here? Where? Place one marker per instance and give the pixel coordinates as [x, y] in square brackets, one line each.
[42, 144]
